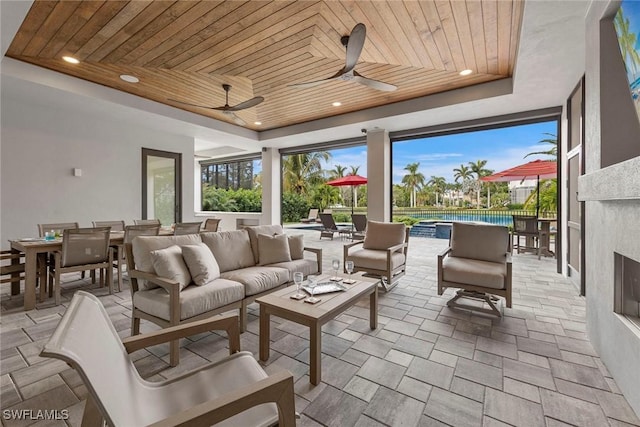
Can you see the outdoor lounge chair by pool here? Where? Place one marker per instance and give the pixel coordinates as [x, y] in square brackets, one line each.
[313, 216]
[329, 227]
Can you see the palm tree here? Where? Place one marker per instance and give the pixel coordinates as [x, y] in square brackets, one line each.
[354, 192]
[463, 174]
[553, 151]
[438, 184]
[337, 172]
[627, 43]
[302, 171]
[477, 168]
[413, 181]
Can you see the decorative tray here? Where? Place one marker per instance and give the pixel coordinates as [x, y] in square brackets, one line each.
[324, 288]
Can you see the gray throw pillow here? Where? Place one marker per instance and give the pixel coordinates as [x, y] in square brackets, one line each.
[168, 263]
[273, 249]
[296, 246]
[201, 263]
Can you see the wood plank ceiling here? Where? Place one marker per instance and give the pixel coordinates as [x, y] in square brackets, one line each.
[185, 50]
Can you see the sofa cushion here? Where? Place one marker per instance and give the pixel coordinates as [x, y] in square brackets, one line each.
[254, 231]
[273, 248]
[306, 266]
[232, 249]
[383, 235]
[201, 263]
[474, 272]
[479, 241]
[143, 245]
[194, 300]
[168, 263]
[375, 259]
[258, 279]
[296, 246]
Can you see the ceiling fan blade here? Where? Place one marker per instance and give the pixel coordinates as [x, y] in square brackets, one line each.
[235, 118]
[373, 84]
[247, 104]
[354, 46]
[193, 105]
[317, 82]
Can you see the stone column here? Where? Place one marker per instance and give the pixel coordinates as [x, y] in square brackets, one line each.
[378, 175]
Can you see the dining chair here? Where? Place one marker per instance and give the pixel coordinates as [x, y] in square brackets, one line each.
[232, 391]
[58, 228]
[211, 224]
[12, 269]
[526, 226]
[82, 249]
[182, 228]
[115, 225]
[130, 231]
[146, 222]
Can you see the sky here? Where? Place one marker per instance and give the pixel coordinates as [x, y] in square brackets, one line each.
[438, 156]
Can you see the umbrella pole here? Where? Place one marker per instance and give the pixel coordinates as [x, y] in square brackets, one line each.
[538, 198]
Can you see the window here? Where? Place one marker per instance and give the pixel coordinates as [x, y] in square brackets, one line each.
[231, 185]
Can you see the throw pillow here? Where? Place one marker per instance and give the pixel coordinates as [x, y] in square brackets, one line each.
[296, 246]
[273, 249]
[168, 263]
[201, 263]
[383, 235]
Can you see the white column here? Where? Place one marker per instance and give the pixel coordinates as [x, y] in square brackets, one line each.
[378, 175]
[271, 191]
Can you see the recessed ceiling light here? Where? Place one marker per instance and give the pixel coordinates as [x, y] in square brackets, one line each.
[129, 79]
[71, 59]
[257, 123]
[466, 72]
[337, 104]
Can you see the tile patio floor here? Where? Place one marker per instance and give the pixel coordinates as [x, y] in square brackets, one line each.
[425, 365]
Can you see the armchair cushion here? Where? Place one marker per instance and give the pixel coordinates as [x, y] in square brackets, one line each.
[194, 300]
[486, 243]
[474, 272]
[296, 246]
[168, 263]
[258, 279]
[375, 259]
[201, 263]
[231, 249]
[273, 248]
[383, 235]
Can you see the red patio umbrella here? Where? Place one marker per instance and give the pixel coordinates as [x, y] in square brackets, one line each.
[537, 169]
[352, 180]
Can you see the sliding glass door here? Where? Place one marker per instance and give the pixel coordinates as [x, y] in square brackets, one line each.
[161, 183]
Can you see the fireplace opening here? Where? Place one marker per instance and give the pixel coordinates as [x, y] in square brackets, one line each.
[627, 288]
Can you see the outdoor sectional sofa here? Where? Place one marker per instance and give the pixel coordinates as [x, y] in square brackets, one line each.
[178, 279]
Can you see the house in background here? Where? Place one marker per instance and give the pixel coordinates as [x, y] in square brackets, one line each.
[567, 66]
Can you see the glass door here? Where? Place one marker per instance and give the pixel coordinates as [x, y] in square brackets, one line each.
[161, 183]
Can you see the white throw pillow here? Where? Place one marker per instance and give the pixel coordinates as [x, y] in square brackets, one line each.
[273, 249]
[168, 263]
[296, 246]
[201, 263]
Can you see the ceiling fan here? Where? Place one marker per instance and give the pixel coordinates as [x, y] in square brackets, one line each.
[354, 43]
[228, 109]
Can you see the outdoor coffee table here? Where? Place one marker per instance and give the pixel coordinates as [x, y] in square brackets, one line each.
[315, 315]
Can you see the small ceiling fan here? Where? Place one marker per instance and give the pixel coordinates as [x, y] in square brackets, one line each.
[228, 109]
[354, 43]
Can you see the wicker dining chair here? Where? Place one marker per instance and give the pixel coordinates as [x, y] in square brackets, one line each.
[211, 224]
[147, 222]
[115, 225]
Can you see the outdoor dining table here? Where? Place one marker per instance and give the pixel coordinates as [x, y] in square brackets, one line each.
[33, 249]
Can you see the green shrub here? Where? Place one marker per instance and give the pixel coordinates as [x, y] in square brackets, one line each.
[341, 217]
[294, 207]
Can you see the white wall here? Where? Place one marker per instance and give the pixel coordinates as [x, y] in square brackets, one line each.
[40, 146]
[612, 201]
